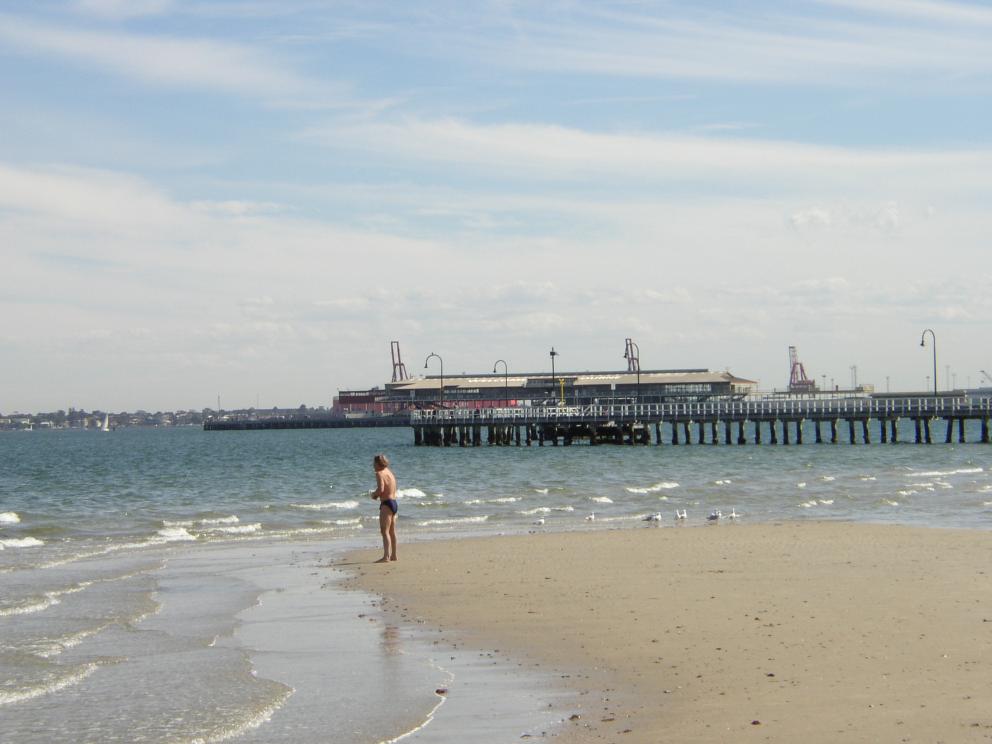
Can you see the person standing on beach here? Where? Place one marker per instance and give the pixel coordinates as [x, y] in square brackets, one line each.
[385, 492]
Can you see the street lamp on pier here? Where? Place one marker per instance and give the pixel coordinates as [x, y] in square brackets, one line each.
[554, 381]
[506, 384]
[923, 342]
[441, 396]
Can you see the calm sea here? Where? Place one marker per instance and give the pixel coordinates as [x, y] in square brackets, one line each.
[148, 577]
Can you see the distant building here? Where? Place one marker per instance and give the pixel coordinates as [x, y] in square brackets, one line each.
[537, 389]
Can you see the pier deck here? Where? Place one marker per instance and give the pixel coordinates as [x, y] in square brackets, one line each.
[784, 421]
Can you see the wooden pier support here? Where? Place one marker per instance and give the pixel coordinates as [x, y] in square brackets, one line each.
[799, 431]
[833, 431]
[701, 432]
[865, 433]
[772, 434]
[741, 437]
[985, 431]
[919, 435]
[850, 431]
[926, 430]
[882, 431]
[757, 432]
[714, 434]
[727, 436]
[894, 430]
[785, 432]
[960, 431]
[950, 431]
[675, 432]
[687, 431]
[819, 434]
[657, 432]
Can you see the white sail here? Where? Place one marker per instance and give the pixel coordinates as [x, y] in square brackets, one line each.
[106, 422]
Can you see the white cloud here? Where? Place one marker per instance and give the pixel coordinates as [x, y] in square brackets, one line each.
[235, 303]
[967, 14]
[547, 152]
[203, 64]
[794, 45]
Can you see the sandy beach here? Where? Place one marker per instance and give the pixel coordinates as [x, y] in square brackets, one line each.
[820, 632]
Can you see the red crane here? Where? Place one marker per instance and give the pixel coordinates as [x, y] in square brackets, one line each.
[798, 381]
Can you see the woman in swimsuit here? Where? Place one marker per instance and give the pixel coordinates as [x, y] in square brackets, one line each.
[385, 492]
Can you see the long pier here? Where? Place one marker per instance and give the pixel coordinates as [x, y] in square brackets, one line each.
[303, 422]
[740, 422]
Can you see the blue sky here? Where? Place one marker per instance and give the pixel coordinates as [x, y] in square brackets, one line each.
[254, 198]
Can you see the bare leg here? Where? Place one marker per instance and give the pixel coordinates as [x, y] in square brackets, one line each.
[385, 517]
[392, 536]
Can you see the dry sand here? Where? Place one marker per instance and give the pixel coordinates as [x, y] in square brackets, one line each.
[728, 633]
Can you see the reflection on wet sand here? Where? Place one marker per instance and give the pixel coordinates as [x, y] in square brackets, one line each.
[391, 641]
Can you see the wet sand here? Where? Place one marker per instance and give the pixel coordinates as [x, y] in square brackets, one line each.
[819, 632]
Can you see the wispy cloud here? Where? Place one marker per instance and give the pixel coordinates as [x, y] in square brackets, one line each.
[191, 63]
[966, 14]
[547, 152]
[797, 45]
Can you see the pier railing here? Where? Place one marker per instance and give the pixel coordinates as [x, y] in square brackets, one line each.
[724, 410]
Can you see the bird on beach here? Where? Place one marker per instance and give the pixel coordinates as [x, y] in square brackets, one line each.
[591, 517]
[539, 521]
[733, 514]
[714, 516]
[652, 517]
[681, 515]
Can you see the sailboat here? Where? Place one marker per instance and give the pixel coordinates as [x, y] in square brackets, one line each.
[106, 422]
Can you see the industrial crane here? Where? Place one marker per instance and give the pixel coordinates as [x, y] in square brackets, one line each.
[986, 375]
[798, 381]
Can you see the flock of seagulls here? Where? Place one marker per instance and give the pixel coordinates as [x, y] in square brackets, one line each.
[681, 515]
[717, 515]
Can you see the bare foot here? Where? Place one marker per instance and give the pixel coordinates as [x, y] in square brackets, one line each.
[393, 558]
[382, 560]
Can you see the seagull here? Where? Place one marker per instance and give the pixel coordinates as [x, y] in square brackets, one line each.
[680, 515]
[652, 518]
[714, 516]
[733, 514]
[540, 521]
[591, 517]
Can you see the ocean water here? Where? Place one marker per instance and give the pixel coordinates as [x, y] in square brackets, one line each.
[174, 584]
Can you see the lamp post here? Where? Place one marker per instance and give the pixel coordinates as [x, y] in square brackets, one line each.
[506, 384]
[637, 367]
[923, 342]
[441, 396]
[554, 391]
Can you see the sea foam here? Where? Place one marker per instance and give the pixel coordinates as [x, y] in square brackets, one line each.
[457, 520]
[54, 684]
[21, 542]
[940, 473]
[663, 486]
[220, 520]
[411, 493]
[9, 518]
[349, 504]
[174, 534]
[237, 529]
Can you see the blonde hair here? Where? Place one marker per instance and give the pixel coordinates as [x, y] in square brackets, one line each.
[380, 461]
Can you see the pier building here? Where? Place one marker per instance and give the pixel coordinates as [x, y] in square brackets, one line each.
[530, 389]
